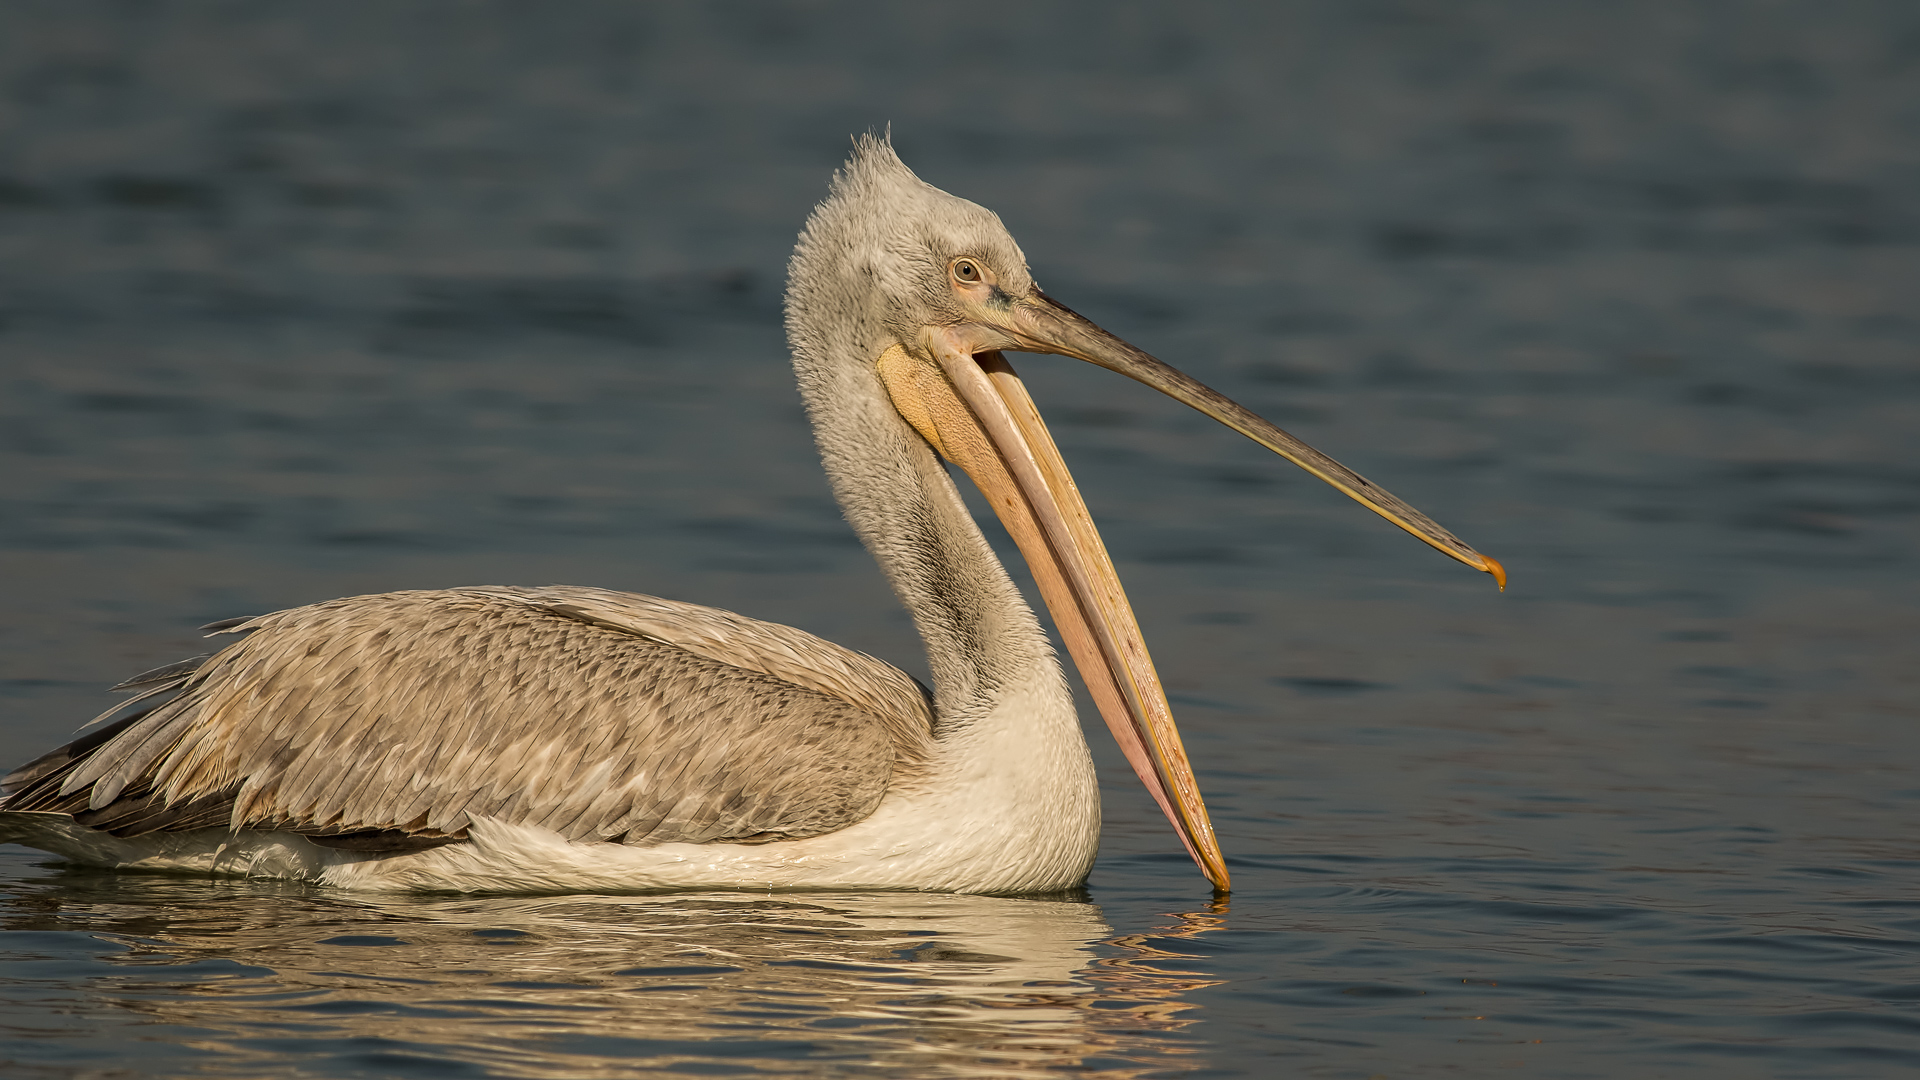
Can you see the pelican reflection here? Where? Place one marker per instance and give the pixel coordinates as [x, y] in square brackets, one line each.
[914, 984]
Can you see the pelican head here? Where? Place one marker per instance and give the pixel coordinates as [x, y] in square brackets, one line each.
[901, 298]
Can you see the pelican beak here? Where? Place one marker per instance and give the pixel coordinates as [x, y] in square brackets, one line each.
[973, 409]
[975, 412]
[1039, 323]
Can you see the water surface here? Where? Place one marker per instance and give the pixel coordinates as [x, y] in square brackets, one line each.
[298, 303]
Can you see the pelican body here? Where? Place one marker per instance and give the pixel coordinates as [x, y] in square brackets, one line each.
[576, 739]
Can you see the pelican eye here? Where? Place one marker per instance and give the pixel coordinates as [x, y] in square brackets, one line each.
[965, 270]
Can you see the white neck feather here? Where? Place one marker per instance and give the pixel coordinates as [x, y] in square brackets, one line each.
[1010, 774]
[1001, 704]
[981, 636]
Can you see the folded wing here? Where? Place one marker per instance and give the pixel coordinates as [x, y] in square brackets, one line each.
[391, 722]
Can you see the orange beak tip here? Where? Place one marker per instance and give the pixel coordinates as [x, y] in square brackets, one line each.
[1499, 572]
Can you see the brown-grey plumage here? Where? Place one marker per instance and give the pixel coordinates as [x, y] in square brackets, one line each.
[388, 722]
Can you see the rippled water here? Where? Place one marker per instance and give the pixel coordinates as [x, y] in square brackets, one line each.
[304, 301]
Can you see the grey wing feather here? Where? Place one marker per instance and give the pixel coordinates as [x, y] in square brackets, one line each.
[393, 721]
[166, 673]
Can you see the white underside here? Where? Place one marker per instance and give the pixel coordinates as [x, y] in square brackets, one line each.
[1011, 806]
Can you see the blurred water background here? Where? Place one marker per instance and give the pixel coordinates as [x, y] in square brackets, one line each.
[306, 300]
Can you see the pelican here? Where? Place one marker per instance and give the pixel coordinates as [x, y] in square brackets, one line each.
[568, 739]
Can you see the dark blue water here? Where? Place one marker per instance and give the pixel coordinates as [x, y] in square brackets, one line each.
[300, 301]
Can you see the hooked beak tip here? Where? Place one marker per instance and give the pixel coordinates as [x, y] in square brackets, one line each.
[1498, 571]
